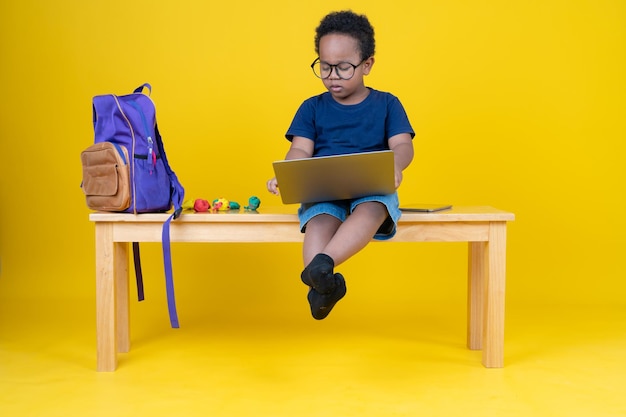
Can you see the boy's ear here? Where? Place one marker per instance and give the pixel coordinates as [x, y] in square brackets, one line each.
[367, 65]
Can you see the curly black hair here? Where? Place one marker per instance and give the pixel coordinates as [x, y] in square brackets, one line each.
[351, 24]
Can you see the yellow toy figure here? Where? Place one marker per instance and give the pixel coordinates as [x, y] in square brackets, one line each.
[188, 205]
[221, 204]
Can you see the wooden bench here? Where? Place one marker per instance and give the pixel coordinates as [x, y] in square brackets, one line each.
[484, 228]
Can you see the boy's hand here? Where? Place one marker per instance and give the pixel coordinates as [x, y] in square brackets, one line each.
[300, 148]
[398, 177]
[402, 147]
[272, 186]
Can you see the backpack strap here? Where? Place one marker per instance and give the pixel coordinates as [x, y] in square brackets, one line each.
[177, 193]
[169, 276]
[138, 272]
[141, 87]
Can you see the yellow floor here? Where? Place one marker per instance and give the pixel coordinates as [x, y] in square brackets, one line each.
[559, 362]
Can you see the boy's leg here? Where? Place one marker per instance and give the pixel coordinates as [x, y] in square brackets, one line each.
[329, 242]
[356, 232]
[318, 272]
[319, 231]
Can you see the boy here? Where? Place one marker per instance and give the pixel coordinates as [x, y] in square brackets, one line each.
[349, 118]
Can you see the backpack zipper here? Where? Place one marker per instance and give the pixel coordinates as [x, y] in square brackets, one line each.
[132, 134]
[151, 154]
[120, 151]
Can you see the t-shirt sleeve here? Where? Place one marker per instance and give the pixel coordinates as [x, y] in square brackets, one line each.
[397, 120]
[303, 123]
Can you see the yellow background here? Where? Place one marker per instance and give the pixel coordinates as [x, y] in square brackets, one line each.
[516, 104]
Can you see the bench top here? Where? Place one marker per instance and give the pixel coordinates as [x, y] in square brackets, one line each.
[287, 214]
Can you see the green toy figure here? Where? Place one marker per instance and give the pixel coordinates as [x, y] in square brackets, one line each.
[253, 203]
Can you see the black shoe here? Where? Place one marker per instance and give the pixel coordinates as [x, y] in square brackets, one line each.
[322, 304]
[319, 274]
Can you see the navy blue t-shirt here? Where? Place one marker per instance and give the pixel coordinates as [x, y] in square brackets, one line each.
[339, 129]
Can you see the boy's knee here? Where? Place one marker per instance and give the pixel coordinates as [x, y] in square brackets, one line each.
[324, 222]
[372, 208]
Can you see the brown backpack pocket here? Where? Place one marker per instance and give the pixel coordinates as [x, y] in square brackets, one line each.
[106, 177]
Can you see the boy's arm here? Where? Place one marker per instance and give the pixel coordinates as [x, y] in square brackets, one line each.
[402, 147]
[300, 148]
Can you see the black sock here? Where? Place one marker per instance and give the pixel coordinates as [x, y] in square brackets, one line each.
[322, 304]
[319, 274]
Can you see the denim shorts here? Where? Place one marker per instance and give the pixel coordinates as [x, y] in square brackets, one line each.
[341, 209]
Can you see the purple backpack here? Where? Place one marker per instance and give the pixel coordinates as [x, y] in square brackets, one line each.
[130, 122]
[127, 163]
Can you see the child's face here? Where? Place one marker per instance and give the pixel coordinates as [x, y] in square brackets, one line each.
[338, 48]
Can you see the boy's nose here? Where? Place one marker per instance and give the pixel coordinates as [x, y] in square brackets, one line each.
[334, 74]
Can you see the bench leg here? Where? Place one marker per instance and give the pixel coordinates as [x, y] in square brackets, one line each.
[493, 334]
[122, 296]
[477, 262]
[105, 299]
[112, 298]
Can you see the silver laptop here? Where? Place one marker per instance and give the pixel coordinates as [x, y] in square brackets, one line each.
[337, 177]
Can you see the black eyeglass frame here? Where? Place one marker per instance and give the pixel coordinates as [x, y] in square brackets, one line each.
[334, 68]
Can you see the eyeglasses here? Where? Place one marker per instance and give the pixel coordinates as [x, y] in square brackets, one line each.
[344, 70]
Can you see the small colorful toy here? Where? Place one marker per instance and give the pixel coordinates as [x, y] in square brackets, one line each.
[188, 205]
[221, 204]
[201, 206]
[253, 203]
